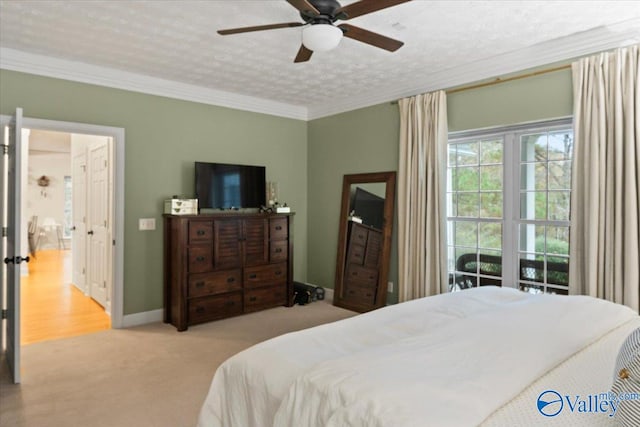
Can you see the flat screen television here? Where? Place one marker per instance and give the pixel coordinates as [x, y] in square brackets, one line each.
[226, 186]
[369, 207]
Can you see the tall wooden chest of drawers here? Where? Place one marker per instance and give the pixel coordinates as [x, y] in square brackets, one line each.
[222, 265]
[360, 285]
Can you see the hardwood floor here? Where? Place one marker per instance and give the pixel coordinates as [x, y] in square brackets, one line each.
[51, 307]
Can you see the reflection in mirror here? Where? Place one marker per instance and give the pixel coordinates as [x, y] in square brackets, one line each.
[367, 204]
[364, 241]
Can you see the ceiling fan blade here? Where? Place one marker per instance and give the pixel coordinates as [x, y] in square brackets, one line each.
[369, 37]
[303, 55]
[363, 7]
[259, 28]
[304, 6]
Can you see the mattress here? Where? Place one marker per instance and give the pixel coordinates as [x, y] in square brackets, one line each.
[453, 359]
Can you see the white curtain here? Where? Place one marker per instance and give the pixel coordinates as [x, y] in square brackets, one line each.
[605, 219]
[421, 189]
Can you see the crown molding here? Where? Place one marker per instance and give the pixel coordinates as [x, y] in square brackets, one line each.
[558, 50]
[563, 49]
[15, 60]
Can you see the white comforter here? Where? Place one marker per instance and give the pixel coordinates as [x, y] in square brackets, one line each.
[452, 359]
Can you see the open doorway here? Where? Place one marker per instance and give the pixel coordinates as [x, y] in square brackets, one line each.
[67, 287]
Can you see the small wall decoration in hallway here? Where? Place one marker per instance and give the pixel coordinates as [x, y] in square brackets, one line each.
[44, 181]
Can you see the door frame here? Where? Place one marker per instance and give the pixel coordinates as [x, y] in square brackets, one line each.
[117, 210]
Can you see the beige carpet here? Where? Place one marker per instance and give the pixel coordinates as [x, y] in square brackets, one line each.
[150, 375]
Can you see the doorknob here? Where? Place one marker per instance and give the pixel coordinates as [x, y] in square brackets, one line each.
[73, 228]
[90, 232]
[16, 260]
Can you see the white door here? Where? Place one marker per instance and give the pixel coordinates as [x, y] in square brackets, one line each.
[11, 219]
[99, 239]
[79, 213]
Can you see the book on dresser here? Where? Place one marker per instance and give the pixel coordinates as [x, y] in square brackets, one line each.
[223, 265]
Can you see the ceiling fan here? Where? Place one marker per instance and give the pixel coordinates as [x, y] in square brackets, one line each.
[321, 34]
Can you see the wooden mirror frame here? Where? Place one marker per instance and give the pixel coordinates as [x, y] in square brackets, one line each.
[389, 178]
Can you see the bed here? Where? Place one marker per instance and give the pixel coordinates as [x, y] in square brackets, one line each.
[481, 356]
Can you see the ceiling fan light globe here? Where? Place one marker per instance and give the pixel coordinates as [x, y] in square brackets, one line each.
[321, 37]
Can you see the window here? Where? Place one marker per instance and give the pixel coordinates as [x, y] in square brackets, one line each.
[508, 199]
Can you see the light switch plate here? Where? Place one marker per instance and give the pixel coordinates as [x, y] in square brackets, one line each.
[146, 224]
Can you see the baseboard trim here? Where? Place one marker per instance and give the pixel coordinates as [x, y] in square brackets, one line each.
[328, 294]
[137, 319]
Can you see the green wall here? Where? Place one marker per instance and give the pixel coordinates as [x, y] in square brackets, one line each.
[308, 160]
[366, 140]
[163, 137]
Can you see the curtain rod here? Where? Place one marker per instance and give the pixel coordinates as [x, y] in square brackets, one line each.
[499, 80]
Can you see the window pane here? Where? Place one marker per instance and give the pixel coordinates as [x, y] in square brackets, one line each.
[466, 233]
[467, 153]
[558, 270]
[467, 178]
[468, 204]
[533, 176]
[490, 265]
[532, 289]
[560, 145]
[559, 205]
[491, 178]
[466, 261]
[490, 235]
[560, 175]
[533, 147]
[491, 152]
[531, 238]
[452, 204]
[533, 205]
[452, 179]
[531, 268]
[558, 240]
[491, 205]
[452, 154]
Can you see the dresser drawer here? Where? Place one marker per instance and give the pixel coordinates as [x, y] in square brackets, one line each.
[258, 299]
[278, 229]
[374, 247]
[204, 284]
[359, 295]
[278, 251]
[361, 276]
[355, 255]
[358, 235]
[214, 307]
[200, 232]
[265, 275]
[200, 259]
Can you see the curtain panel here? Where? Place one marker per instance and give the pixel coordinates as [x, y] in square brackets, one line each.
[605, 219]
[422, 269]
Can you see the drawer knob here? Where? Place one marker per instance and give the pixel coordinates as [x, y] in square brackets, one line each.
[199, 284]
[278, 250]
[278, 227]
[200, 258]
[278, 273]
[230, 303]
[252, 298]
[351, 292]
[231, 279]
[368, 294]
[252, 276]
[200, 232]
[199, 309]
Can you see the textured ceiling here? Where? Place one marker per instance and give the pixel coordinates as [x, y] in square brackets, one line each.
[177, 41]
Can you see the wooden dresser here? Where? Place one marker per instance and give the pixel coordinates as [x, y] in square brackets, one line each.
[364, 246]
[223, 265]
